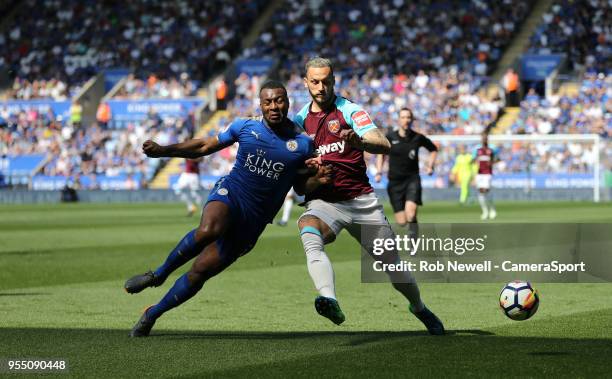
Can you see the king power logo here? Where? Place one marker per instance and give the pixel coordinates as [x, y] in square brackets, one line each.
[332, 148]
[258, 164]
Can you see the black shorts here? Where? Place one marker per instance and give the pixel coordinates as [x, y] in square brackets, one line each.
[401, 191]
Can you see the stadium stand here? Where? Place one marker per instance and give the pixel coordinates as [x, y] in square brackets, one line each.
[388, 55]
[153, 87]
[69, 42]
[580, 29]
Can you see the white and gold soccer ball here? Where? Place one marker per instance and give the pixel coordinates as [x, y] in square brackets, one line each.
[519, 300]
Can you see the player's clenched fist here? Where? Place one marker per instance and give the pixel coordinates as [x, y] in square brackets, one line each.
[151, 149]
[324, 174]
[350, 137]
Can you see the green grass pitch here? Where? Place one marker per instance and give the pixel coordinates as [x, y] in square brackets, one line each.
[62, 268]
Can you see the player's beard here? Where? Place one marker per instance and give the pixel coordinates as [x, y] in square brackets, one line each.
[326, 102]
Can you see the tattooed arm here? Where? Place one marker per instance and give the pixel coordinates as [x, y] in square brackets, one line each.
[373, 141]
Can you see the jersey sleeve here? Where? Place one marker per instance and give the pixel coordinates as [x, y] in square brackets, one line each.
[230, 134]
[356, 117]
[428, 144]
[299, 118]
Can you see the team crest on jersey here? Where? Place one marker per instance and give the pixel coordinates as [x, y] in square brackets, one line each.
[333, 126]
[222, 191]
[361, 119]
[412, 154]
[292, 145]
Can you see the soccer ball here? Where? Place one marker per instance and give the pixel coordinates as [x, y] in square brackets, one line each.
[519, 300]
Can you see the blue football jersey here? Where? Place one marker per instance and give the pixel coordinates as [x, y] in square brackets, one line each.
[266, 166]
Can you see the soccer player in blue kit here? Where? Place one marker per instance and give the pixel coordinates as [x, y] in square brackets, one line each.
[270, 160]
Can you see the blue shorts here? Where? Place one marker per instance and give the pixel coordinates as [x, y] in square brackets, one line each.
[243, 230]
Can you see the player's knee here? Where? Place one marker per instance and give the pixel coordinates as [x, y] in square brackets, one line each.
[209, 230]
[307, 220]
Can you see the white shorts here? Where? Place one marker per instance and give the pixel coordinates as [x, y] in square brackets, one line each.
[364, 219]
[483, 181]
[187, 180]
[362, 210]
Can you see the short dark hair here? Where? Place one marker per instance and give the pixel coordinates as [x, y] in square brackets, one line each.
[273, 84]
[407, 109]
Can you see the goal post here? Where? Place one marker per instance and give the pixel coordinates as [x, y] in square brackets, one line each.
[566, 145]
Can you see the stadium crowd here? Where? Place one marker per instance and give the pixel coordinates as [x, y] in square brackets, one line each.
[388, 56]
[587, 111]
[75, 151]
[392, 37]
[154, 87]
[580, 29]
[24, 89]
[70, 41]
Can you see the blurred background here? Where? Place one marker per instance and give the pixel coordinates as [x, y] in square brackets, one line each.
[84, 83]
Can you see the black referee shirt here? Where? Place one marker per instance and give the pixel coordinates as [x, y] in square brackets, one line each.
[404, 154]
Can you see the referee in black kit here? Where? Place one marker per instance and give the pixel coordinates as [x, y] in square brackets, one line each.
[404, 186]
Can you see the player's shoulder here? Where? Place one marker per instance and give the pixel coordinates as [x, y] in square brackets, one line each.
[299, 117]
[239, 123]
[346, 106]
[355, 116]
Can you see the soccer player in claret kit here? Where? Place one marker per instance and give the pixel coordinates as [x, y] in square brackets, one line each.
[404, 187]
[270, 160]
[188, 185]
[342, 131]
[485, 156]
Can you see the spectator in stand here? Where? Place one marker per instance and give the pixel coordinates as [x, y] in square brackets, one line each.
[221, 94]
[511, 85]
[76, 114]
[103, 114]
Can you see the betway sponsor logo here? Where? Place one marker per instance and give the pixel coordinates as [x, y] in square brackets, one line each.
[332, 148]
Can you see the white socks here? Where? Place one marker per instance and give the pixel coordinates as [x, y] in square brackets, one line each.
[196, 198]
[486, 204]
[287, 210]
[185, 198]
[319, 265]
[482, 200]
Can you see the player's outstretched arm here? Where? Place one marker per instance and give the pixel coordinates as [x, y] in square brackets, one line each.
[193, 148]
[373, 141]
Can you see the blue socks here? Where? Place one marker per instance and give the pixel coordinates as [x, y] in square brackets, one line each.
[182, 291]
[181, 254]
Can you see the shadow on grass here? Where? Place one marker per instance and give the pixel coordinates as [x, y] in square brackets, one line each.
[480, 353]
[365, 335]
[17, 294]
